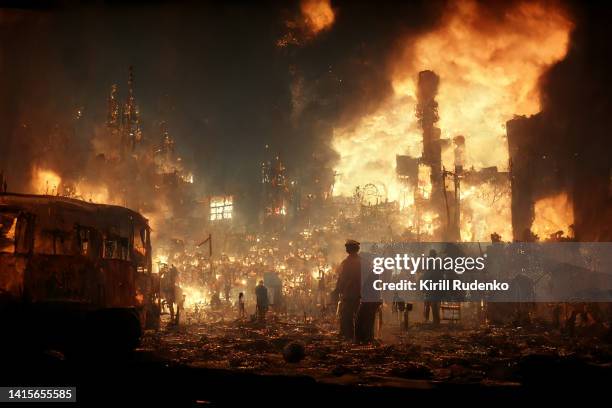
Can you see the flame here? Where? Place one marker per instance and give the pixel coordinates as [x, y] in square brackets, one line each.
[553, 214]
[93, 193]
[424, 183]
[318, 14]
[315, 17]
[193, 295]
[159, 260]
[489, 71]
[430, 222]
[45, 181]
[489, 68]
[485, 209]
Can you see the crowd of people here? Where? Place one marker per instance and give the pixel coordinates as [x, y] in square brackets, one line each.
[299, 283]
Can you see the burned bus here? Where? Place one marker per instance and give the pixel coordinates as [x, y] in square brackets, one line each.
[75, 273]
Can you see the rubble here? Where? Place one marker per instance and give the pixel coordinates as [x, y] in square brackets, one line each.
[474, 355]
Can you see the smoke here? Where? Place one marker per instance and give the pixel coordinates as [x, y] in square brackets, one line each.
[213, 72]
[217, 74]
[575, 121]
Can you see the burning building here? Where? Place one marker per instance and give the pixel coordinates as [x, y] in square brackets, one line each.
[123, 120]
[564, 201]
[275, 194]
[429, 124]
[463, 181]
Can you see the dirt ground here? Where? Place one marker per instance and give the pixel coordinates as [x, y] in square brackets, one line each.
[227, 362]
[499, 356]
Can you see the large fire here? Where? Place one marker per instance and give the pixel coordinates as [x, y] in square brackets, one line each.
[48, 182]
[318, 14]
[552, 215]
[489, 68]
[45, 181]
[315, 16]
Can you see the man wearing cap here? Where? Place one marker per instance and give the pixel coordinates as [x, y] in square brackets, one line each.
[348, 289]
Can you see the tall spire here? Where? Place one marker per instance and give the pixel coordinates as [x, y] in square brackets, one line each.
[131, 115]
[112, 116]
[167, 141]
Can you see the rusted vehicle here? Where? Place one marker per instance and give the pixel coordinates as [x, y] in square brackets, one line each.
[74, 273]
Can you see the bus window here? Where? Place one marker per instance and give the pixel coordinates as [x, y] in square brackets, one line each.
[116, 248]
[23, 238]
[84, 236]
[53, 242]
[124, 248]
[139, 241]
[8, 226]
[110, 249]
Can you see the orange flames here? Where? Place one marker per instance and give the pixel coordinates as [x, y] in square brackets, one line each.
[46, 181]
[489, 71]
[553, 214]
[489, 68]
[318, 14]
[315, 17]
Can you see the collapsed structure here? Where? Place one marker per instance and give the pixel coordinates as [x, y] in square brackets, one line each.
[437, 191]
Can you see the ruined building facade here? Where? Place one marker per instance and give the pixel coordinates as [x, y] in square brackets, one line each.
[544, 163]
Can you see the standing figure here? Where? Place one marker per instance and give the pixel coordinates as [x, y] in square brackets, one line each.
[261, 292]
[398, 307]
[169, 289]
[180, 305]
[241, 309]
[369, 309]
[432, 298]
[348, 288]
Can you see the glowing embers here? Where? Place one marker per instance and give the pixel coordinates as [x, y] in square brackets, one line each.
[221, 208]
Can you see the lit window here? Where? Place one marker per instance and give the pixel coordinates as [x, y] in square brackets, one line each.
[8, 223]
[221, 208]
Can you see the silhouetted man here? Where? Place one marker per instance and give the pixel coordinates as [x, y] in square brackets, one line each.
[369, 308]
[432, 298]
[348, 289]
[261, 293]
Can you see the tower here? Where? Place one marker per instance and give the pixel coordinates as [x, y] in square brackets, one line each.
[427, 116]
[132, 134]
[113, 112]
[275, 192]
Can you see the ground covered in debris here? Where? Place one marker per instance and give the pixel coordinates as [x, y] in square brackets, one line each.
[496, 356]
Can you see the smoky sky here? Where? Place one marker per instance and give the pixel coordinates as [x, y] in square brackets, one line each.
[211, 70]
[214, 73]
